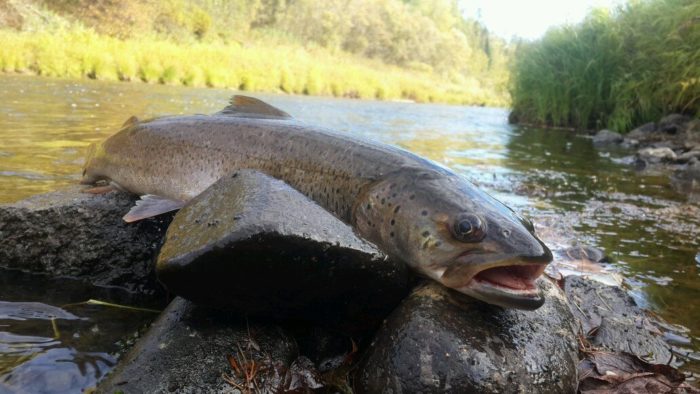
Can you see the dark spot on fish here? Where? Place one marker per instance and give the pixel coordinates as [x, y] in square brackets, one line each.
[235, 174]
[383, 201]
[369, 206]
[393, 195]
[438, 243]
[412, 196]
[393, 222]
[396, 210]
[393, 185]
[426, 234]
[424, 213]
[391, 234]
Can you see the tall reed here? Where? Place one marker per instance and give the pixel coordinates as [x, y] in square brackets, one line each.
[615, 69]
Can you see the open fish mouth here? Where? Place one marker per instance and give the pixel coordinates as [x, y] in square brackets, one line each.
[510, 286]
[509, 283]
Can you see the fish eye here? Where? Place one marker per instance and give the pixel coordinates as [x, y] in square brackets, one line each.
[469, 228]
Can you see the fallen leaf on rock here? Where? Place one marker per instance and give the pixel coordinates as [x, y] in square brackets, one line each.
[301, 377]
[602, 372]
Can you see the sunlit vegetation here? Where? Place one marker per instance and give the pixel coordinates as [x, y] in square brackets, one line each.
[617, 69]
[420, 50]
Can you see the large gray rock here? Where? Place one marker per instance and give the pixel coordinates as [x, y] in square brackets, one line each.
[439, 341]
[69, 233]
[253, 244]
[613, 320]
[187, 350]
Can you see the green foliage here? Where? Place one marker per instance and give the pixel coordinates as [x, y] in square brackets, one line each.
[613, 70]
[387, 49]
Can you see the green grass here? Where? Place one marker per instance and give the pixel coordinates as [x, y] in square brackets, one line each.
[615, 69]
[81, 53]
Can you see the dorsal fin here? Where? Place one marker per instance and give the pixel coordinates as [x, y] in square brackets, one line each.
[249, 107]
[131, 121]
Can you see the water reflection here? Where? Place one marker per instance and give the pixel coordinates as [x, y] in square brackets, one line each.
[61, 344]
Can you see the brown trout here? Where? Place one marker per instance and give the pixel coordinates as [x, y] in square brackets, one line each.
[413, 209]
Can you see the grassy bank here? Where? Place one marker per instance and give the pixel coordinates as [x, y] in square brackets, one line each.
[83, 53]
[616, 69]
[421, 50]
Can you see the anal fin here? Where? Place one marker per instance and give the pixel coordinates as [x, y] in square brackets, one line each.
[151, 205]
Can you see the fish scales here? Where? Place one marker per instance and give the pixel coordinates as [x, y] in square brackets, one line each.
[180, 157]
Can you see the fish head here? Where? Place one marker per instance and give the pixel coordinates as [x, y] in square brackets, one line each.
[92, 166]
[448, 230]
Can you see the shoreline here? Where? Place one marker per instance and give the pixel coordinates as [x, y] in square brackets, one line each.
[260, 67]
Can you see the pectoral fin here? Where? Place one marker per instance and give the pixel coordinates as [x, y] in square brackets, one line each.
[151, 205]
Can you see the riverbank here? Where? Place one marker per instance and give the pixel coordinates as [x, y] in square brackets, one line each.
[388, 51]
[85, 54]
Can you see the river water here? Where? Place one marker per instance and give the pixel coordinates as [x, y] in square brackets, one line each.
[574, 193]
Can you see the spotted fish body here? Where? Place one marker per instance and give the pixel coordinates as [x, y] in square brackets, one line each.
[412, 208]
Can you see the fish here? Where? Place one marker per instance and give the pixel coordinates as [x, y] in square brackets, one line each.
[415, 210]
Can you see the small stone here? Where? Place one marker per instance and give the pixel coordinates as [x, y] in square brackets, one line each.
[656, 155]
[672, 123]
[605, 137]
[642, 131]
[585, 252]
[687, 156]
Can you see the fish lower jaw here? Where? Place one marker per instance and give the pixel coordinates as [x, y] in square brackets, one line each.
[507, 286]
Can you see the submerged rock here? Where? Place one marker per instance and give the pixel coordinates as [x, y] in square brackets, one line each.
[605, 136]
[187, 351]
[586, 252]
[438, 340]
[253, 244]
[69, 233]
[613, 320]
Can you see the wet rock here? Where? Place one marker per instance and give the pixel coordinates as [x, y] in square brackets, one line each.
[686, 178]
[656, 155]
[586, 252]
[69, 233]
[253, 244]
[689, 155]
[606, 137]
[187, 350]
[613, 320]
[438, 340]
[673, 123]
[642, 131]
